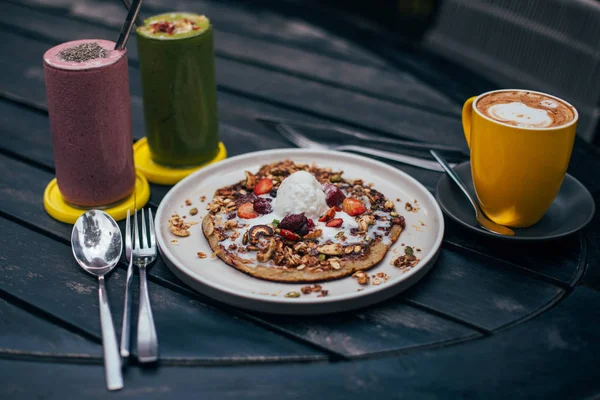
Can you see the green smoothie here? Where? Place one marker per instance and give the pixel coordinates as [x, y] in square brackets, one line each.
[179, 88]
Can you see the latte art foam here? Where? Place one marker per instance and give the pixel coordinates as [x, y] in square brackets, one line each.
[525, 109]
[520, 114]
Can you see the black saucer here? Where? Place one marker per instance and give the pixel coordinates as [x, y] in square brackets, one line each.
[571, 210]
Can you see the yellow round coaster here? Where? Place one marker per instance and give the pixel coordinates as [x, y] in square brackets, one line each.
[164, 175]
[59, 209]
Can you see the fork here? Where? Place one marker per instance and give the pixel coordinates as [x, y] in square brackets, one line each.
[143, 256]
[301, 140]
[126, 325]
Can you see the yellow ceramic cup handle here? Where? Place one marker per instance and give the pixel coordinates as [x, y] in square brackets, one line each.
[466, 118]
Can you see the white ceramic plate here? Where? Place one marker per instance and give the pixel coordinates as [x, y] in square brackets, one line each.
[212, 277]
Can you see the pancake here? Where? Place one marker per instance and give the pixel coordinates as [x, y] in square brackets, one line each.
[259, 247]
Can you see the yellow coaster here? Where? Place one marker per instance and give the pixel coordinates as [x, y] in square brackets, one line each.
[164, 175]
[59, 209]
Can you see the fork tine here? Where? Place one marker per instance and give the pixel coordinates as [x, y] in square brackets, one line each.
[128, 236]
[135, 231]
[151, 225]
[144, 236]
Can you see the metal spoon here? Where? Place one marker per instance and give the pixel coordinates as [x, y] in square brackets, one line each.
[96, 242]
[479, 216]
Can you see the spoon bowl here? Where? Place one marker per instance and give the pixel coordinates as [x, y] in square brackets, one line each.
[96, 242]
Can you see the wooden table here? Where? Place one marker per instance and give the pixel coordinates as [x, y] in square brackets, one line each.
[492, 319]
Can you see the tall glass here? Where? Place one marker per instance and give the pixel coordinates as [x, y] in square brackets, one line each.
[179, 89]
[90, 121]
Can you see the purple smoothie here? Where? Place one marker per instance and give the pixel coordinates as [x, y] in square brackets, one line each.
[90, 121]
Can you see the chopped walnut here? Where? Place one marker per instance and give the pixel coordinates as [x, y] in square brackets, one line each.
[323, 293]
[188, 202]
[306, 289]
[362, 277]
[405, 261]
[178, 227]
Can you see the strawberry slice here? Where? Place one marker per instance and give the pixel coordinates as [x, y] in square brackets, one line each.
[335, 223]
[289, 235]
[246, 211]
[328, 216]
[353, 206]
[263, 186]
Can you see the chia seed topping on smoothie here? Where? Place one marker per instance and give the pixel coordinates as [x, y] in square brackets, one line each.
[83, 52]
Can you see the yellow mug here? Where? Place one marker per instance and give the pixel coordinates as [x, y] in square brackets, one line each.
[517, 171]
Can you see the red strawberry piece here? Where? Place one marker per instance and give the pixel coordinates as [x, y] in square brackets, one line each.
[263, 186]
[328, 216]
[289, 235]
[246, 211]
[337, 208]
[335, 223]
[333, 195]
[353, 206]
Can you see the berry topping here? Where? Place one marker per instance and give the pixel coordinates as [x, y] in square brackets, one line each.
[297, 223]
[353, 206]
[273, 193]
[289, 234]
[246, 211]
[263, 186]
[333, 195]
[329, 214]
[311, 225]
[335, 223]
[262, 205]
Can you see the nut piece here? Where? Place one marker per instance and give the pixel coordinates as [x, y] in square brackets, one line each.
[232, 223]
[257, 231]
[306, 290]
[250, 180]
[210, 227]
[362, 277]
[389, 205]
[178, 227]
[265, 255]
[202, 255]
[334, 263]
[335, 249]
[292, 294]
[188, 202]
[194, 211]
[317, 233]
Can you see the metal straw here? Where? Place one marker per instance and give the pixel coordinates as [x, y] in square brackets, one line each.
[126, 30]
[138, 20]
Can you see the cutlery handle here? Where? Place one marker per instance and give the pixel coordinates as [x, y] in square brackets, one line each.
[147, 342]
[417, 162]
[456, 179]
[112, 361]
[126, 326]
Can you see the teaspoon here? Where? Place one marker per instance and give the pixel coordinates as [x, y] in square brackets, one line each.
[97, 244]
[479, 216]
